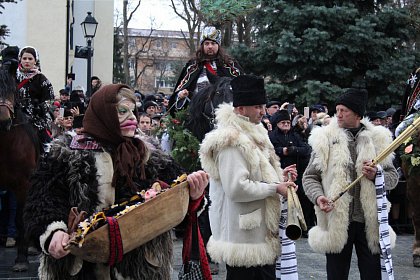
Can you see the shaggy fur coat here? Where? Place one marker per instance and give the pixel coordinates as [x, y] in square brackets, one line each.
[245, 210]
[331, 159]
[82, 178]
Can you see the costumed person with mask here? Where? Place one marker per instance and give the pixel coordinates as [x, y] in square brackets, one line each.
[246, 180]
[106, 165]
[341, 152]
[35, 91]
[409, 154]
[210, 60]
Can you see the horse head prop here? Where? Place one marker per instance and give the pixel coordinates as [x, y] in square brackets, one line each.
[205, 102]
[8, 91]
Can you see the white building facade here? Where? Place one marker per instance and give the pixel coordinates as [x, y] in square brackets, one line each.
[53, 28]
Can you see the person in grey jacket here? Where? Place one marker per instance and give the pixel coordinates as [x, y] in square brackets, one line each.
[246, 180]
[342, 151]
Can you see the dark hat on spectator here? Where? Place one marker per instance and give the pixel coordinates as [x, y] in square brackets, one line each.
[67, 113]
[273, 102]
[355, 99]
[149, 104]
[64, 92]
[372, 115]
[248, 90]
[317, 107]
[390, 112]
[281, 115]
[157, 116]
[381, 114]
[149, 97]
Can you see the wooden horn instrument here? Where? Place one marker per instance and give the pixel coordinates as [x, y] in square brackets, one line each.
[295, 219]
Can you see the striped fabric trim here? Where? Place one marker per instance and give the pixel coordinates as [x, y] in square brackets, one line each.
[384, 238]
[286, 264]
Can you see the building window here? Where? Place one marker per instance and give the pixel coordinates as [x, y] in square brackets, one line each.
[158, 44]
[164, 66]
[173, 45]
[163, 83]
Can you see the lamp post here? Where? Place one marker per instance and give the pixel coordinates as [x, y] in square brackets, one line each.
[89, 30]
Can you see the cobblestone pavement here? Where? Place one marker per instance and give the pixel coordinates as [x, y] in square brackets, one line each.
[311, 265]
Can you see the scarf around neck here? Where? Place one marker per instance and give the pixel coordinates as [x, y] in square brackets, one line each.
[26, 74]
[101, 121]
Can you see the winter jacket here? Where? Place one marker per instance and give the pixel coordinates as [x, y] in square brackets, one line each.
[331, 169]
[189, 76]
[245, 210]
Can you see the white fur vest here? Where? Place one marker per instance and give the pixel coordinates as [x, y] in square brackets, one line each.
[245, 232]
[331, 157]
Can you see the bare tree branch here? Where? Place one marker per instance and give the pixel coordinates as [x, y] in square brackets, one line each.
[188, 14]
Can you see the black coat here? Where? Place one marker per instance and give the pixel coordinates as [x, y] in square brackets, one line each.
[191, 72]
[298, 151]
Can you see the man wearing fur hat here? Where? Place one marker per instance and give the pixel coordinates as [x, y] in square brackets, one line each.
[342, 151]
[210, 61]
[246, 180]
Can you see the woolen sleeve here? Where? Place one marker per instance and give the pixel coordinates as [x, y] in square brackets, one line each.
[390, 177]
[311, 182]
[47, 91]
[47, 204]
[235, 178]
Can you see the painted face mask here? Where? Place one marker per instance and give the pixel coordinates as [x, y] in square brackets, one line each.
[126, 117]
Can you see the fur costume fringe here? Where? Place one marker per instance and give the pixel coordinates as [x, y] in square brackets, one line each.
[70, 178]
[330, 145]
[254, 144]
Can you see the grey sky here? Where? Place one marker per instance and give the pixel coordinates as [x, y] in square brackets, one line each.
[159, 10]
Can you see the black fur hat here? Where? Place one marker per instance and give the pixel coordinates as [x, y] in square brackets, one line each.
[355, 99]
[281, 115]
[248, 90]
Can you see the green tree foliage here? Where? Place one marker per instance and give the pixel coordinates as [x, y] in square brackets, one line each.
[186, 145]
[4, 31]
[227, 14]
[311, 52]
[217, 12]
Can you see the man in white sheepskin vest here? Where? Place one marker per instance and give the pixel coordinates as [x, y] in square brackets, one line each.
[342, 151]
[245, 183]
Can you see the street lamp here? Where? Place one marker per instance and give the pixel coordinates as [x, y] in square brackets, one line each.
[89, 30]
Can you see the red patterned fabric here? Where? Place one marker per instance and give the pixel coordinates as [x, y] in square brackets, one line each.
[115, 243]
[186, 249]
[209, 68]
